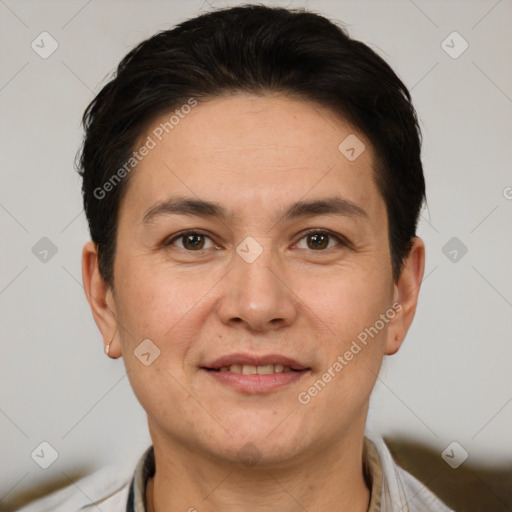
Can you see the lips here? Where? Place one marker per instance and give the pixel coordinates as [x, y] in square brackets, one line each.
[251, 374]
[239, 362]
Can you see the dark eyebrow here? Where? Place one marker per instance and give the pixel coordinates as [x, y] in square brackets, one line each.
[331, 205]
[201, 208]
[184, 206]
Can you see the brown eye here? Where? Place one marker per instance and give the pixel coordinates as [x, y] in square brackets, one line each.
[193, 242]
[190, 241]
[320, 240]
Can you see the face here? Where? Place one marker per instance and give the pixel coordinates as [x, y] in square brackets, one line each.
[253, 254]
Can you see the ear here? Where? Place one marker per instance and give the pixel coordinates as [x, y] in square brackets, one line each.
[406, 291]
[101, 301]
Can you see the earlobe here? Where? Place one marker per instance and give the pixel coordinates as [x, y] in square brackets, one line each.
[393, 345]
[100, 299]
[107, 346]
[407, 290]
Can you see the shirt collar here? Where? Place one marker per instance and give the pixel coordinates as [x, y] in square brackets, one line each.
[372, 470]
[143, 472]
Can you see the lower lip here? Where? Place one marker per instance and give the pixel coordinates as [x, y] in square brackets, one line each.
[256, 383]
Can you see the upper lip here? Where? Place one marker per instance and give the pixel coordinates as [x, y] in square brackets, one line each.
[254, 360]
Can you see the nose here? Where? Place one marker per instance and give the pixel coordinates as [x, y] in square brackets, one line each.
[257, 294]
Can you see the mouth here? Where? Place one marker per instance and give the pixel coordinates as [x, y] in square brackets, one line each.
[255, 374]
[249, 369]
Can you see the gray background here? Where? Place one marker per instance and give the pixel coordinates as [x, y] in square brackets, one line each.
[451, 381]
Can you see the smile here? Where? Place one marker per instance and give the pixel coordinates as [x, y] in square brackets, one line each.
[247, 369]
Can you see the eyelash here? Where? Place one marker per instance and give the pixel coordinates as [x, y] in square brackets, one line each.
[342, 241]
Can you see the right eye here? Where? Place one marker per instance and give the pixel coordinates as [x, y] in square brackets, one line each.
[190, 241]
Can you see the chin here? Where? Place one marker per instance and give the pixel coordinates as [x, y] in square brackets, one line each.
[260, 453]
[262, 440]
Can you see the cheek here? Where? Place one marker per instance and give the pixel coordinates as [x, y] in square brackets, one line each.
[155, 301]
[165, 309]
[355, 300]
[168, 307]
[353, 346]
[354, 343]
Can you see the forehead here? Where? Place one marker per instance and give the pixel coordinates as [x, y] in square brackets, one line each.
[261, 151]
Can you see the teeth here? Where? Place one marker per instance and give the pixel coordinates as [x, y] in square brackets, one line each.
[265, 370]
[248, 369]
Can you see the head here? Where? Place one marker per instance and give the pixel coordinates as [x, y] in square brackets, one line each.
[252, 181]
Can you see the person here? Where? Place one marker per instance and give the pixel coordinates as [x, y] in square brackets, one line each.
[252, 181]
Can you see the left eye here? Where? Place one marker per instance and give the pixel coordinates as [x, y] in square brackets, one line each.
[319, 240]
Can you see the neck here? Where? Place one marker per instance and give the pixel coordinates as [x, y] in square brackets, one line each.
[331, 480]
